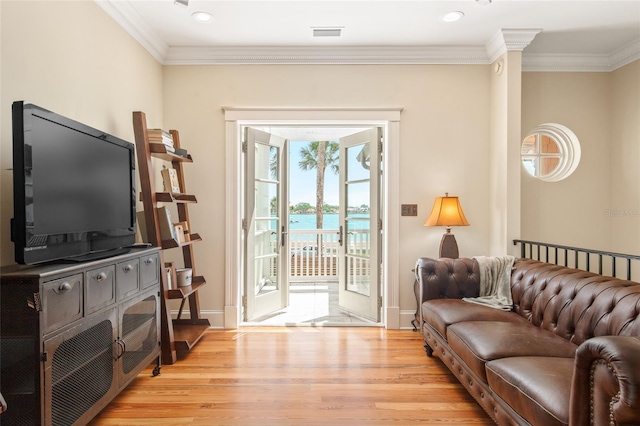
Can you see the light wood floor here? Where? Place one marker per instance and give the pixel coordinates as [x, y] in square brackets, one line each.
[299, 376]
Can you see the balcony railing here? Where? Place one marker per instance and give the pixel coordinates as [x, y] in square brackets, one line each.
[598, 261]
[314, 254]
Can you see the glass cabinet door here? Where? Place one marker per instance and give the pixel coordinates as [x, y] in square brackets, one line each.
[79, 369]
[137, 344]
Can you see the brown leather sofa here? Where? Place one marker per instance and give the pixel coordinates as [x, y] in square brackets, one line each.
[567, 354]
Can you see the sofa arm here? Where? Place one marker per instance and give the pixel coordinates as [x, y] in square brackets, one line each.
[606, 382]
[447, 278]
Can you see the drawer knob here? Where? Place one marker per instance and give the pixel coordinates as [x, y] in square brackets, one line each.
[149, 261]
[128, 268]
[101, 276]
[65, 286]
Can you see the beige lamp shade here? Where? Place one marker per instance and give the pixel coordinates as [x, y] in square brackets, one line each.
[446, 212]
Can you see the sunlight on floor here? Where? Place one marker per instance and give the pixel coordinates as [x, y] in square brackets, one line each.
[312, 303]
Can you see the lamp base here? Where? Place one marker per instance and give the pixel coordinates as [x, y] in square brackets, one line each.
[449, 246]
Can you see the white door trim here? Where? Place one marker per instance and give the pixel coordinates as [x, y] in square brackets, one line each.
[388, 117]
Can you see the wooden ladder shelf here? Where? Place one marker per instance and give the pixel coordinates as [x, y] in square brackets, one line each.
[178, 335]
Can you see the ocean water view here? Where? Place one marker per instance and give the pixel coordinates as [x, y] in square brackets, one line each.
[330, 221]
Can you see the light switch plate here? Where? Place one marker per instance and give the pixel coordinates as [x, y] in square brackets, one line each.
[409, 210]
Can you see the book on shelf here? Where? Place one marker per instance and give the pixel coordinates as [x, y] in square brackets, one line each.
[167, 231]
[161, 136]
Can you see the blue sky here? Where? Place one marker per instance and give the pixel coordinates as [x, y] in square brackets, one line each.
[302, 186]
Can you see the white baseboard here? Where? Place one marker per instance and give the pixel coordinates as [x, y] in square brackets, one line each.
[405, 319]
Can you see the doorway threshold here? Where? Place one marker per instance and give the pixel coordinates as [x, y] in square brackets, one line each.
[312, 304]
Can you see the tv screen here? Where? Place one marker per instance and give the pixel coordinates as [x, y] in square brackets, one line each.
[74, 188]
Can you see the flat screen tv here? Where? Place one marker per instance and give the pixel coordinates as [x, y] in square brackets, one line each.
[74, 192]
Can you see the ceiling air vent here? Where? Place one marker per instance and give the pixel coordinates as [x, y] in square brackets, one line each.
[327, 32]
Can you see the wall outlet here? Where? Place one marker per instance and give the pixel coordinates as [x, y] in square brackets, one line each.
[409, 210]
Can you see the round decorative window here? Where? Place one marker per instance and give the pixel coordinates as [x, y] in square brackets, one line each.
[551, 152]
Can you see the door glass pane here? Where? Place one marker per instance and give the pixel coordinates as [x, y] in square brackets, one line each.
[266, 256]
[358, 279]
[357, 220]
[357, 238]
[266, 273]
[266, 200]
[267, 219]
[358, 160]
[266, 162]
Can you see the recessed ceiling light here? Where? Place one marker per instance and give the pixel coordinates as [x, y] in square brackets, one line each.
[452, 16]
[202, 16]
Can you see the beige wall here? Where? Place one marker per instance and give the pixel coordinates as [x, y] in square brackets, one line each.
[444, 133]
[571, 211]
[71, 58]
[598, 206]
[624, 208]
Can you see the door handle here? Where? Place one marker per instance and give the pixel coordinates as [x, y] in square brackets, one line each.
[340, 236]
[283, 236]
[117, 349]
[122, 346]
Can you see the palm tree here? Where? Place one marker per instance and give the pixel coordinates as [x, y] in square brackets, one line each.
[319, 155]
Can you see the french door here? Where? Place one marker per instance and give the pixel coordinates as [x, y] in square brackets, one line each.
[360, 224]
[266, 224]
[266, 256]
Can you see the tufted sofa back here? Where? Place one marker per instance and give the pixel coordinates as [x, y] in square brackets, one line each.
[571, 303]
[575, 304]
[448, 278]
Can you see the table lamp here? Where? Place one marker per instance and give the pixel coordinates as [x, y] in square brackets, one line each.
[447, 212]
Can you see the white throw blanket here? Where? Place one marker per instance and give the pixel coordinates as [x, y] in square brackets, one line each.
[495, 277]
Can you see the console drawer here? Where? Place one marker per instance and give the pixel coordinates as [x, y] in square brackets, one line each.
[63, 299]
[149, 270]
[100, 289]
[127, 278]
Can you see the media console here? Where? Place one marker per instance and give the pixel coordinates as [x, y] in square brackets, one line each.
[74, 335]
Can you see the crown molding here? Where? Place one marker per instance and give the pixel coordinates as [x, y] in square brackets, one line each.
[565, 63]
[326, 55]
[625, 55]
[582, 63]
[132, 22]
[508, 39]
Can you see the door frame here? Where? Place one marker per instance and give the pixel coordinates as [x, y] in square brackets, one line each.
[236, 117]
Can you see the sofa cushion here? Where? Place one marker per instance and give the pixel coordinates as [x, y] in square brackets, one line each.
[478, 342]
[537, 388]
[440, 313]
